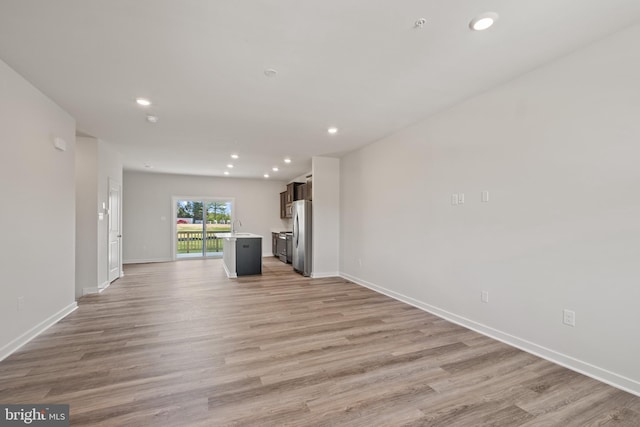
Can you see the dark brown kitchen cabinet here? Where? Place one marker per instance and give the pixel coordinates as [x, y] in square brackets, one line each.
[308, 190]
[291, 191]
[295, 191]
[303, 192]
[290, 197]
[283, 204]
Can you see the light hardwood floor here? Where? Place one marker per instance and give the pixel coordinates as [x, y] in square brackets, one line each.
[178, 344]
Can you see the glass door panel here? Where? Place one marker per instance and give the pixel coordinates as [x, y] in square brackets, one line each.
[218, 221]
[197, 222]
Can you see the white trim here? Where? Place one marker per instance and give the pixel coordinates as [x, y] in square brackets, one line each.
[146, 261]
[111, 184]
[23, 339]
[230, 275]
[315, 275]
[623, 383]
[104, 286]
[96, 290]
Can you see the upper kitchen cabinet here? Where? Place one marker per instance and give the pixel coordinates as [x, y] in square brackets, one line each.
[291, 191]
[308, 195]
[290, 197]
[304, 191]
[283, 204]
[295, 191]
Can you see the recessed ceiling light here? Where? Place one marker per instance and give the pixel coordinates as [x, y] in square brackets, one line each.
[275, 169]
[332, 130]
[287, 160]
[483, 21]
[234, 156]
[266, 175]
[270, 72]
[229, 165]
[148, 166]
[152, 119]
[143, 102]
[226, 172]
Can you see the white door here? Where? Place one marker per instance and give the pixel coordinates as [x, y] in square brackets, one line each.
[114, 230]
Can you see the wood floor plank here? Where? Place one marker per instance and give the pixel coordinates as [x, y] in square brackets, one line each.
[179, 344]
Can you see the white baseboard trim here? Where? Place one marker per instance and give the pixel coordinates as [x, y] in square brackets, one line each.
[104, 286]
[321, 275]
[96, 290]
[146, 261]
[23, 339]
[230, 275]
[623, 383]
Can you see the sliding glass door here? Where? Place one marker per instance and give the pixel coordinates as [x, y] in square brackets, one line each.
[196, 223]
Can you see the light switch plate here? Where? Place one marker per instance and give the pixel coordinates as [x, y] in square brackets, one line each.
[484, 296]
[569, 317]
[454, 199]
[60, 144]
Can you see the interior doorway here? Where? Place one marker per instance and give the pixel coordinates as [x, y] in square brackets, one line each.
[196, 223]
[115, 234]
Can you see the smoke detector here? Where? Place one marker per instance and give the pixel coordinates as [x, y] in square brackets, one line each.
[420, 23]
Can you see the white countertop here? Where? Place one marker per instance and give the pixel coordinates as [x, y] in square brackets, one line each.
[237, 235]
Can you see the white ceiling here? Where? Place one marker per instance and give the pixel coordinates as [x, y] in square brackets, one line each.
[359, 65]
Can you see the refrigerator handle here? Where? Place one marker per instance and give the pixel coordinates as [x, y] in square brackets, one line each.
[296, 228]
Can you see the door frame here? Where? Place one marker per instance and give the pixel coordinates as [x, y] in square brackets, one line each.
[174, 216]
[111, 183]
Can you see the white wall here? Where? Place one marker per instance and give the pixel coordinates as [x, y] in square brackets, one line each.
[86, 164]
[148, 210]
[326, 216]
[96, 163]
[558, 151]
[37, 253]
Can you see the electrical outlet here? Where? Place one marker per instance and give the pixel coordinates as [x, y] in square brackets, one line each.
[569, 317]
[461, 198]
[484, 296]
[20, 303]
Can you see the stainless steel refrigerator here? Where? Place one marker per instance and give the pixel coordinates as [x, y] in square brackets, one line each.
[302, 237]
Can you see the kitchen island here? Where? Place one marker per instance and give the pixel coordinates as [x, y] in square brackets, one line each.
[241, 253]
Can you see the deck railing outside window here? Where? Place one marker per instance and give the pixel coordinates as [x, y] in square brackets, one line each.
[191, 242]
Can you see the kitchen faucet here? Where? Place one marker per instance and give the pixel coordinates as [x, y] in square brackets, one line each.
[233, 225]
